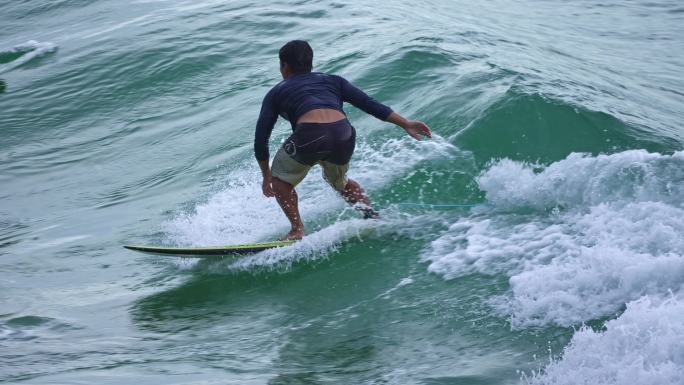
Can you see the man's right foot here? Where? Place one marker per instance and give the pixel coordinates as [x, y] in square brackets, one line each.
[369, 213]
[293, 235]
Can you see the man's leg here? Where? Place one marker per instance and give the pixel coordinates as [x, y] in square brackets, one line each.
[287, 199]
[353, 193]
[285, 174]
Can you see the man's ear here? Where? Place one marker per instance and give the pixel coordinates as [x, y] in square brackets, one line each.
[284, 69]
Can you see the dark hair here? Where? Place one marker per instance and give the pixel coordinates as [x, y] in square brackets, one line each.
[298, 55]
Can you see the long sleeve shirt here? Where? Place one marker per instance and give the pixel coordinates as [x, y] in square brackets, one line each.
[300, 93]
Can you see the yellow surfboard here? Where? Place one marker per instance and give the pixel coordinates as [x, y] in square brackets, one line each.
[207, 251]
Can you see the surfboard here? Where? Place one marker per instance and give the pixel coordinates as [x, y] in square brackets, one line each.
[206, 251]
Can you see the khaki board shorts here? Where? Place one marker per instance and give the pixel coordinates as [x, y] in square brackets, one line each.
[289, 170]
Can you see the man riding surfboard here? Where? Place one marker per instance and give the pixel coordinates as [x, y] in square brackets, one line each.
[312, 102]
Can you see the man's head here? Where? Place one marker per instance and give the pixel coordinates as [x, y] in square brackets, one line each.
[296, 57]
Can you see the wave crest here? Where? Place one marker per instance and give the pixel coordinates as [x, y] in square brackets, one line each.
[23, 53]
[618, 238]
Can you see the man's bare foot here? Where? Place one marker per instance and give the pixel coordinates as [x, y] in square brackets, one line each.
[293, 235]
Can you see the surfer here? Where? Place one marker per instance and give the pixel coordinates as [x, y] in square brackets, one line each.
[312, 102]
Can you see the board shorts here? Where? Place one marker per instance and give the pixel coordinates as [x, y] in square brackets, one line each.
[329, 145]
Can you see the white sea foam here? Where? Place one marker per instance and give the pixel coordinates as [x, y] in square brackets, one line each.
[404, 282]
[115, 27]
[239, 213]
[619, 238]
[5, 332]
[643, 346]
[613, 238]
[617, 255]
[584, 180]
[30, 49]
[316, 245]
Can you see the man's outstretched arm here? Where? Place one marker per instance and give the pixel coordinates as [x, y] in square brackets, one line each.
[415, 128]
[360, 99]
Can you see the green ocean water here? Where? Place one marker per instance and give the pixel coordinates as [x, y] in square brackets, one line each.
[132, 122]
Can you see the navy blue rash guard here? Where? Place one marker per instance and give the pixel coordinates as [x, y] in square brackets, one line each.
[300, 93]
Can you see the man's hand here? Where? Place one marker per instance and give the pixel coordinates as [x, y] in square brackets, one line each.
[416, 128]
[266, 187]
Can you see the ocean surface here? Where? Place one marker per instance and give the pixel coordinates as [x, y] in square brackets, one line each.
[132, 122]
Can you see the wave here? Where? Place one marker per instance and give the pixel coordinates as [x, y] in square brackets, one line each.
[533, 128]
[621, 230]
[239, 213]
[617, 239]
[584, 239]
[585, 180]
[23, 53]
[643, 347]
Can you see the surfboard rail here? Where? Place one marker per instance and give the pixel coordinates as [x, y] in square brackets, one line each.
[224, 250]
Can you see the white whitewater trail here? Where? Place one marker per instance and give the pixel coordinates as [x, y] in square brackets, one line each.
[582, 239]
[239, 213]
[643, 346]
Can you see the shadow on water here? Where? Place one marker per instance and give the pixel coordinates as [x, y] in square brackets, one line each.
[322, 317]
[331, 358]
[210, 298]
[306, 290]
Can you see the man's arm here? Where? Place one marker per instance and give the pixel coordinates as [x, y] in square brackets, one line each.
[361, 100]
[266, 174]
[415, 128]
[264, 127]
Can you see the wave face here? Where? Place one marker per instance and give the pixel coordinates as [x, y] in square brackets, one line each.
[640, 347]
[581, 240]
[24, 53]
[536, 238]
